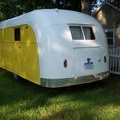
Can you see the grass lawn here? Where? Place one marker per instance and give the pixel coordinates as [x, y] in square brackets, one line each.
[23, 100]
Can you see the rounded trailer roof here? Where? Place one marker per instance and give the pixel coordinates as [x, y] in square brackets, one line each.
[44, 17]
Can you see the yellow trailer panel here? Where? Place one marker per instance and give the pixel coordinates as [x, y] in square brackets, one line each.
[19, 52]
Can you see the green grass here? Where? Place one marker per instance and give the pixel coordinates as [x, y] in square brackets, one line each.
[23, 100]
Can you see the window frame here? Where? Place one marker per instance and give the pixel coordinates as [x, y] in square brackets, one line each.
[83, 34]
[80, 30]
[93, 33]
[109, 30]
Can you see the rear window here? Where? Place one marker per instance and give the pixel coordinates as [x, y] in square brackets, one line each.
[82, 33]
[76, 32]
[88, 32]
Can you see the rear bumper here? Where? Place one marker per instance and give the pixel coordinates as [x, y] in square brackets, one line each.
[54, 83]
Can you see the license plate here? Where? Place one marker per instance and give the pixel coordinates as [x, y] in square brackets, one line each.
[88, 65]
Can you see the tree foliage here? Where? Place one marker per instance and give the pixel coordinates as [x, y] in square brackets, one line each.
[68, 4]
[8, 8]
[115, 3]
[12, 8]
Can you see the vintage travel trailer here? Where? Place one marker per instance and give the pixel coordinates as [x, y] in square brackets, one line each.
[54, 48]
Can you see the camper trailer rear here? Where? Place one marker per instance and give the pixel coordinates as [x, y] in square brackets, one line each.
[54, 48]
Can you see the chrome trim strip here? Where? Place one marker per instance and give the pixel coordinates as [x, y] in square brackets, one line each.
[75, 47]
[55, 83]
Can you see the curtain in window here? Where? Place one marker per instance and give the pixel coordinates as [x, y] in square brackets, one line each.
[76, 33]
[87, 33]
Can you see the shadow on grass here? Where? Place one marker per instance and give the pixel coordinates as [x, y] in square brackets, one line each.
[65, 114]
[31, 96]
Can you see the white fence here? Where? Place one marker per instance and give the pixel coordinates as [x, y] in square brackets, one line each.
[114, 61]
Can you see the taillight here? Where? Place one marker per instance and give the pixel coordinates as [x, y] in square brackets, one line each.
[65, 63]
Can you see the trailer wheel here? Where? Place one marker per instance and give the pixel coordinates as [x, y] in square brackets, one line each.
[17, 77]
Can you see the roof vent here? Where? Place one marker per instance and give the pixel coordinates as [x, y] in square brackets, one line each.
[56, 9]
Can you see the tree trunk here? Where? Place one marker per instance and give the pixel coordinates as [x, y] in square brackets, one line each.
[85, 6]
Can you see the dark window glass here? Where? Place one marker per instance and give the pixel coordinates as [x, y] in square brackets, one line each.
[17, 34]
[110, 37]
[110, 41]
[109, 34]
[88, 32]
